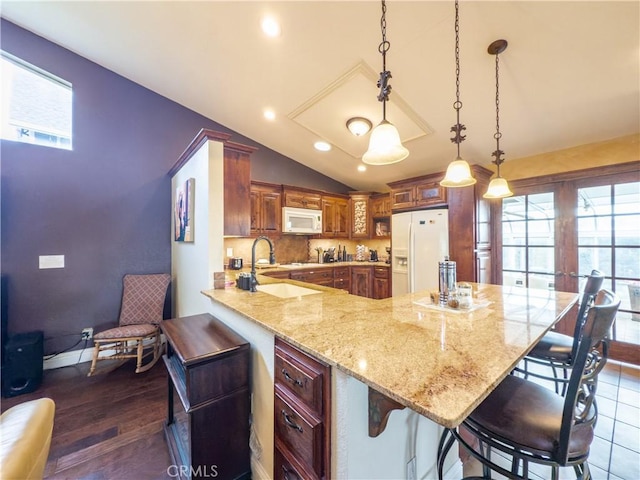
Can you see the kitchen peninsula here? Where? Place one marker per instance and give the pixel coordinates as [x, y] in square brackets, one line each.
[439, 363]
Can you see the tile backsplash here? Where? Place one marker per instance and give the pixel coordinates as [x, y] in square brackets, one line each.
[298, 248]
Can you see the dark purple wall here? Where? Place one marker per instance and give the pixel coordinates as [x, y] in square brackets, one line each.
[106, 204]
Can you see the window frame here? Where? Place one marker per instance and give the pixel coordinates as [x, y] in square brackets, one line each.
[34, 134]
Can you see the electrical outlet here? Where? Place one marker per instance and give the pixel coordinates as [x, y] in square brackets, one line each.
[87, 333]
[411, 469]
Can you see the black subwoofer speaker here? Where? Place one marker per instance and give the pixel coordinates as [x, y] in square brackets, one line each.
[22, 368]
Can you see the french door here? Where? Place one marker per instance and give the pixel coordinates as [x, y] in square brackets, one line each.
[554, 231]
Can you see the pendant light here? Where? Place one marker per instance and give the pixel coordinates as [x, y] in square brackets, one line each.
[498, 188]
[384, 143]
[458, 172]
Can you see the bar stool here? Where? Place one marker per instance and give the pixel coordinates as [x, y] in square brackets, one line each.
[557, 350]
[530, 423]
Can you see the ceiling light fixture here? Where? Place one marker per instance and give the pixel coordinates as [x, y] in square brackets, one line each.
[322, 146]
[384, 143]
[458, 172]
[269, 114]
[362, 168]
[270, 27]
[498, 188]
[359, 125]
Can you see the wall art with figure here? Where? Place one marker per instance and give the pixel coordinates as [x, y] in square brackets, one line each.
[183, 212]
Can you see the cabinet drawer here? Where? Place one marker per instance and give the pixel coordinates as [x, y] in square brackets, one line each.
[340, 272]
[284, 469]
[299, 430]
[321, 276]
[342, 284]
[301, 380]
[381, 272]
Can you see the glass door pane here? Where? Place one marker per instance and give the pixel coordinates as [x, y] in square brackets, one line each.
[609, 240]
[528, 240]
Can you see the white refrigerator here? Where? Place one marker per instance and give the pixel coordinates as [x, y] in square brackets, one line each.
[419, 240]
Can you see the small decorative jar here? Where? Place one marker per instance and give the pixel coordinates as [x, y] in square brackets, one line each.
[452, 299]
[465, 298]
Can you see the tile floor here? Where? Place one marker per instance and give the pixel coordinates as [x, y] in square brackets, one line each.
[615, 450]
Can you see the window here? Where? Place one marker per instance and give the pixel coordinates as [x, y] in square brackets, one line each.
[36, 105]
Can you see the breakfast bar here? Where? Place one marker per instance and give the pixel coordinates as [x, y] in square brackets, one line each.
[437, 361]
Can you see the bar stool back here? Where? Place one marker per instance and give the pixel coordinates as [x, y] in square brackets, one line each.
[557, 350]
[530, 423]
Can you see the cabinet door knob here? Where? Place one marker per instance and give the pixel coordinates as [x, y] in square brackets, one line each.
[291, 423]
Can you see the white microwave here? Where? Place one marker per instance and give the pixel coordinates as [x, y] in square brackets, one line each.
[301, 221]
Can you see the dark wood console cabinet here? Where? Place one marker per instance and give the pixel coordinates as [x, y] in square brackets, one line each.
[209, 401]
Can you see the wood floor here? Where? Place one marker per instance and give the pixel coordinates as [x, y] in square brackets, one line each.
[108, 426]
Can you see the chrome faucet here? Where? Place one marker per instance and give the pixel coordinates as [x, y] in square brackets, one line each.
[272, 260]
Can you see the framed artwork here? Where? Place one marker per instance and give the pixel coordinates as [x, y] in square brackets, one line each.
[183, 212]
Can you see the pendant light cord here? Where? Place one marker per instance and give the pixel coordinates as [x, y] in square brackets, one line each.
[498, 153]
[385, 75]
[457, 105]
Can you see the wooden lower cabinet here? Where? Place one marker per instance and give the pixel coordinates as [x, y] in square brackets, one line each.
[366, 280]
[361, 281]
[381, 285]
[302, 415]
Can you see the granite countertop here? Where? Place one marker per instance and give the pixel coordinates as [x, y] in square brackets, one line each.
[437, 361]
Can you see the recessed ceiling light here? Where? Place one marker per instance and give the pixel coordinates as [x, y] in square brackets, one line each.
[362, 168]
[270, 27]
[269, 114]
[322, 146]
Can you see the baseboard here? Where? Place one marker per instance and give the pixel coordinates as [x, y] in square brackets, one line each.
[68, 358]
[79, 356]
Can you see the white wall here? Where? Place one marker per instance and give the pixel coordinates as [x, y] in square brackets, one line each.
[193, 263]
[407, 435]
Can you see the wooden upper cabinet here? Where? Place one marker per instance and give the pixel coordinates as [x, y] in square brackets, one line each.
[360, 216]
[236, 178]
[237, 185]
[302, 198]
[266, 209]
[380, 205]
[335, 216]
[419, 192]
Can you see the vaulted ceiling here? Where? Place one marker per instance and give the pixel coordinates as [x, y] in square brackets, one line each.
[569, 76]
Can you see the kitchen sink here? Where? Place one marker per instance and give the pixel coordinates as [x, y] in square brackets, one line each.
[285, 290]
